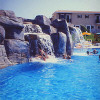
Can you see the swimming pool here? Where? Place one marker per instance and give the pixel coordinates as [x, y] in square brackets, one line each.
[61, 80]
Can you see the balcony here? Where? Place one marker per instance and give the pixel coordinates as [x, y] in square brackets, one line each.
[69, 20]
[97, 21]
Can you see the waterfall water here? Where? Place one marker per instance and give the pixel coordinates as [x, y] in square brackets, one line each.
[62, 43]
[45, 42]
[41, 40]
[78, 39]
[77, 36]
[32, 28]
[35, 37]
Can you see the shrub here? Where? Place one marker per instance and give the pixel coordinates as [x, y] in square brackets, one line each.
[84, 29]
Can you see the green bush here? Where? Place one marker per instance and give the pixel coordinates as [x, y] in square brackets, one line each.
[90, 37]
[84, 29]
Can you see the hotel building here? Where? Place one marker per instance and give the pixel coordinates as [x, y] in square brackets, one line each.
[89, 19]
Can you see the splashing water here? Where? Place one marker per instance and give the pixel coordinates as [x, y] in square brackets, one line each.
[77, 36]
[45, 42]
[51, 59]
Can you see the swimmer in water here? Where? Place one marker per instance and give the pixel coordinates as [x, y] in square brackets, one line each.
[64, 56]
[88, 52]
[43, 54]
[95, 51]
[69, 58]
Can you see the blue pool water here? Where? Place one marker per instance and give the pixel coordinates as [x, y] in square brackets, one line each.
[61, 80]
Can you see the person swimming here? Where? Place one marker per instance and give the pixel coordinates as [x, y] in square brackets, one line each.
[68, 57]
[43, 55]
[64, 56]
[91, 53]
[88, 52]
[95, 51]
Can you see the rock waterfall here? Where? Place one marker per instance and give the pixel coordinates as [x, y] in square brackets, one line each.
[21, 38]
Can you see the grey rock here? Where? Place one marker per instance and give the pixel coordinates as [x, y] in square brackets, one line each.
[55, 40]
[39, 41]
[48, 29]
[27, 20]
[7, 13]
[42, 20]
[4, 61]
[33, 43]
[45, 24]
[20, 19]
[2, 51]
[53, 30]
[17, 50]
[7, 62]
[10, 22]
[13, 26]
[2, 34]
[59, 43]
[36, 28]
[10, 15]
[14, 33]
[32, 28]
[62, 26]
[71, 29]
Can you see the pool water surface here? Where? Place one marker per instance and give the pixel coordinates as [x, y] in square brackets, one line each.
[61, 80]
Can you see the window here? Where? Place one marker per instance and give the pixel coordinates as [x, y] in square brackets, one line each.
[98, 27]
[79, 16]
[61, 16]
[86, 16]
[68, 18]
[98, 19]
[89, 27]
[77, 26]
[92, 27]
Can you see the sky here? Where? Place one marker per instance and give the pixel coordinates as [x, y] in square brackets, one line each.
[31, 8]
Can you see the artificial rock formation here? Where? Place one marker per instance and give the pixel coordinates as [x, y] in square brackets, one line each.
[59, 42]
[32, 28]
[48, 29]
[39, 41]
[62, 26]
[17, 50]
[33, 43]
[2, 34]
[22, 38]
[12, 34]
[45, 24]
[4, 61]
[10, 19]
[42, 20]
[45, 43]
[12, 25]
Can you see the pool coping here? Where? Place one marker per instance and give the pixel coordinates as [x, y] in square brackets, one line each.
[89, 47]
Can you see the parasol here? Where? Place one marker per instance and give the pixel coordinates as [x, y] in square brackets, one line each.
[86, 33]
